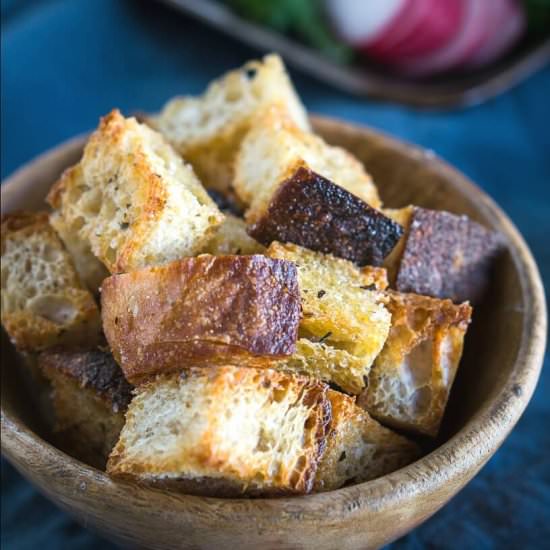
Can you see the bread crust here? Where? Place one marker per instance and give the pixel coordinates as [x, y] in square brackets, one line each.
[311, 211]
[446, 256]
[208, 465]
[410, 381]
[201, 310]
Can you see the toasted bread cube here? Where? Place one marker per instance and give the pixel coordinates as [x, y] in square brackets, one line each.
[410, 381]
[272, 151]
[231, 238]
[358, 447]
[225, 431]
[324, 362]
[442, 255]
[310, 210]
[137, 203]
[316, 358]
[201, 311]
[208, 130]
[338, 306]
[67, 222]
[44, 303]
[90, 396]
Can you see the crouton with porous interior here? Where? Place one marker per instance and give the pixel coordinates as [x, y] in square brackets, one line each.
[225, 431]
[68, 224]
[136, 203]
[342, 309]
[272, 151]
[202, 311]
[44, 303]
[410, 381]
[359, 448]
[208, 130]
[90, 396]
[231, 238]
[310, 210]
[442, 255]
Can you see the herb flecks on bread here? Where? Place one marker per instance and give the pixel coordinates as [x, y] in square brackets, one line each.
[342, 309]
[136, 203]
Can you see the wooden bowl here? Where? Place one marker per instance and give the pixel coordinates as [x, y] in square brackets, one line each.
[503, 356]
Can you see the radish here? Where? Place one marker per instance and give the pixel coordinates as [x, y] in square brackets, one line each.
[424, 27]
[504, 35]
[423, 37]
[477, 23]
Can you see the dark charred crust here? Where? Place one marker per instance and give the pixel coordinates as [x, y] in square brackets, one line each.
[202, 311]
[447, 256]
[94, 370]
[313, 212]
[225, 203]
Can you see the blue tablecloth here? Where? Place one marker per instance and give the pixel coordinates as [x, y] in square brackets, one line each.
[66, 62]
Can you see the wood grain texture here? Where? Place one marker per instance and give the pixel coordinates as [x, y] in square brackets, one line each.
[503, 356]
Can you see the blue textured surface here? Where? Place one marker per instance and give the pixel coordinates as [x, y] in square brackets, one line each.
[66, 62]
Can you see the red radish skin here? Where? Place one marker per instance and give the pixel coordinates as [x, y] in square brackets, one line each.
[504, 35]
[396, 30]
[433, 24]
[477, 23]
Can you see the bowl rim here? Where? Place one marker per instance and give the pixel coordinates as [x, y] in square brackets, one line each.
[454, 462]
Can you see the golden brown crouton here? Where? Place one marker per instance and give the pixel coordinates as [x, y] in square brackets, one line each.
[44, 304]
[225, 431]
[201, 311]
[359, 448]
[136, 202]
[341, 309]
[208, 130]
[273, 149]
[410, 380]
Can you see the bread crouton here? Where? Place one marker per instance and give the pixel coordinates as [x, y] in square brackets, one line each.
[67, 222]
[44, 303]
[90, 396]
[358, 447]
[200, 311]
[442, 255]
[338, 303]
[272, 150]
[225, 431]
[324, 362]
[310, 210]
[137, 203]
[410, 381]
[208, 130]
[231, 238]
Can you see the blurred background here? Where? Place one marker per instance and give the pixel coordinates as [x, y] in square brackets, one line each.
[468, 79]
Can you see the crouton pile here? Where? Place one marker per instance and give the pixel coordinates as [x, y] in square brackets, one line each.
[222, 304]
